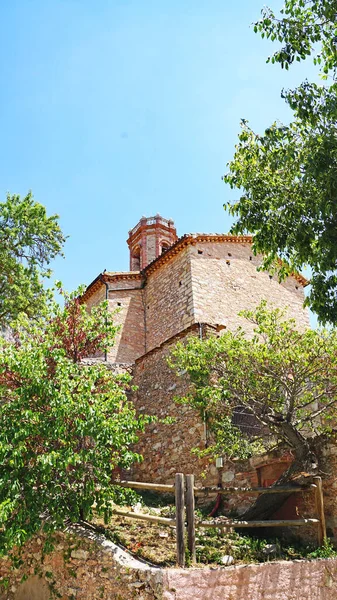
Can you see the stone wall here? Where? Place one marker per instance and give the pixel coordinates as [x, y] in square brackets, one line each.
[297, 580]
[168, 300]
[86, 566]
[329, 476]
[225, 281]
[208, 282]
[166, 447]
[96, 297]
[82, 566]
[128, 308]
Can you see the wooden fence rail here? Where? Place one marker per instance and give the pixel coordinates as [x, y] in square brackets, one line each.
[189, 505]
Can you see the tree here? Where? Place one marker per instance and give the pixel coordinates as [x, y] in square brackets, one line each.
[29, 240]
[64, 425]
[281, 380]
[288, 175]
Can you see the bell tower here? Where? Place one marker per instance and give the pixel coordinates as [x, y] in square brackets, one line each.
[149, 239]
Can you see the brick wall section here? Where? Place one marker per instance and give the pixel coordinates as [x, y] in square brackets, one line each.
[225, 281]
[155, 237]
[168, 300]
[126, 302]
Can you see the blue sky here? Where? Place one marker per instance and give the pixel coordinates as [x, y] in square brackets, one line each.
[114, 109]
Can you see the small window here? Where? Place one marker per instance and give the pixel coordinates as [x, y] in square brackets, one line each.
[200, 252]
[119, 304]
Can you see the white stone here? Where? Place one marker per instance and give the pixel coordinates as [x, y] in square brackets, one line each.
[269, 549]
[213, 470]
[227, 476]
[80, 554]
[227, 559]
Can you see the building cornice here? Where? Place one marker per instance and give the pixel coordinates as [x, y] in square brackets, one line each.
[107, 277]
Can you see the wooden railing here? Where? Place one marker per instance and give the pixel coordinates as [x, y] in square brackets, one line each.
[185, 491]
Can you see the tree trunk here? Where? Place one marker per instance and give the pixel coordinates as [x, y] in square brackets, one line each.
[304, 466]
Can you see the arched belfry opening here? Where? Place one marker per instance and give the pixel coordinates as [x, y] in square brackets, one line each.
[163, 247]
[151, 237]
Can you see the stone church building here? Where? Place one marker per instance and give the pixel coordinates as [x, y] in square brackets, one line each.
[195, 284]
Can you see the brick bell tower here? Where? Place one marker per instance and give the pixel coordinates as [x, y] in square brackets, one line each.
[149, 239]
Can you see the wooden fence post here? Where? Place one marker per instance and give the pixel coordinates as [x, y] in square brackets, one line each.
[190, 506]
[180, 518]
[320, 510]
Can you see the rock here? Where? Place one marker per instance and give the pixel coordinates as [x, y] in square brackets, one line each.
[269, 549]
[80, 554]
[137, 508]
[137, 584]
[213, 470]
[227, 476]
[37, 556]
[227, 560]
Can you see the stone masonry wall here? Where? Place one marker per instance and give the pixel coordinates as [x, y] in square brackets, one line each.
[282, 580]
[168, 300]
[126, 302]
[225, 281]
[85, 566]
[166, 448]
[128, 308]
[82, 566]
[96, 297]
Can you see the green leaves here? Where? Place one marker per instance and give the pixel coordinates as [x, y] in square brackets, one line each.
[288, 175]
[65, 425]
[304, 29]
[277, 386]
[29, 240]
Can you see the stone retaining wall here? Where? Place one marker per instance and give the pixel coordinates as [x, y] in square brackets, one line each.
[297, 580]
[86, 566]
[82, 566]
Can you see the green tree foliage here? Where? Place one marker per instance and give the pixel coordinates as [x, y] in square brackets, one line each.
[64, 425]
[282, 381]
[29, 240]
[288, 175]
